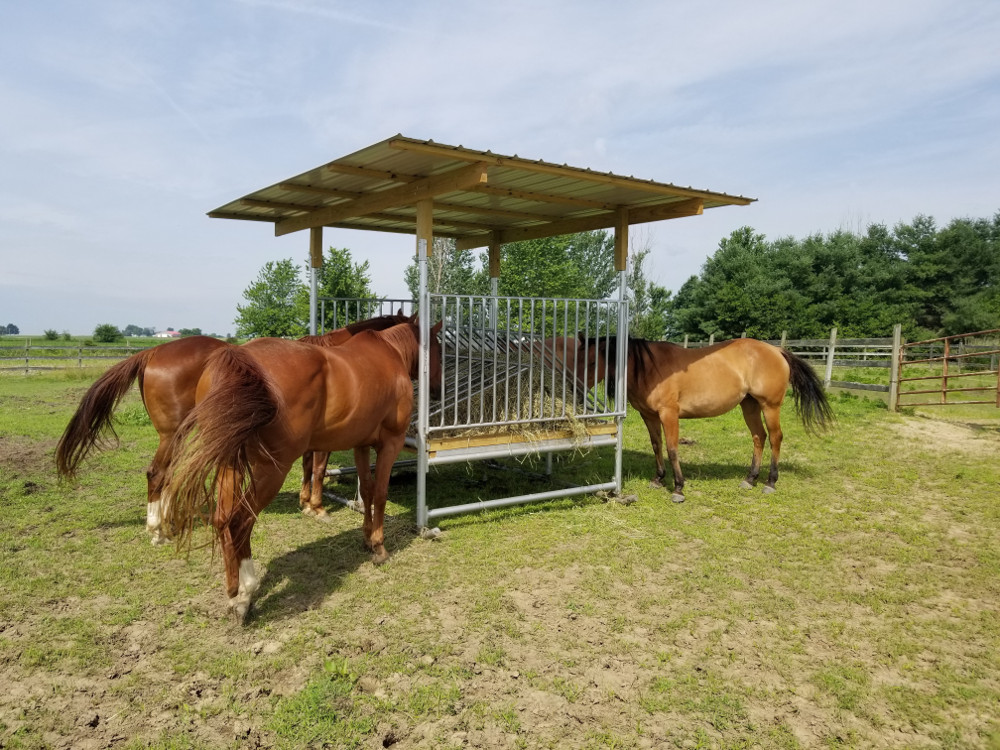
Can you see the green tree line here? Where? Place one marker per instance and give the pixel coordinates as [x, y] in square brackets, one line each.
[933, 281]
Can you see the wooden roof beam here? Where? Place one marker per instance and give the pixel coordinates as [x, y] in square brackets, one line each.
[607, 220]
[403, 195]
[527, 195]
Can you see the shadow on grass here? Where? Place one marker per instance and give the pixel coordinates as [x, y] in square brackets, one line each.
[303, 578]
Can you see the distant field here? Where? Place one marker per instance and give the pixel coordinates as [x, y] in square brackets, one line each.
[856, 607]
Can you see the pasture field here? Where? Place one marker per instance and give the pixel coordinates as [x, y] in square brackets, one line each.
[859, 606]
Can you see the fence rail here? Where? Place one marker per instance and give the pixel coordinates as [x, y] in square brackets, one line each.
[39, 357]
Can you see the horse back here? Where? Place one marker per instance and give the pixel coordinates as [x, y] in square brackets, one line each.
[711, 380]
[171, 377]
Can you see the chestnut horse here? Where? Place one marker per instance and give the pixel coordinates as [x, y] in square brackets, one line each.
[168, 375]
[260, 406]
[666, 382]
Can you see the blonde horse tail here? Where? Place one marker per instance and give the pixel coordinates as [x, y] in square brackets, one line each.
[807, 390]
[92, 419]
[219, 438]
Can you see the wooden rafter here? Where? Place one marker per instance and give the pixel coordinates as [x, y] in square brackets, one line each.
[408, 194]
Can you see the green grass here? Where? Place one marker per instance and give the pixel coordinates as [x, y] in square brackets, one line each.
[854, 608]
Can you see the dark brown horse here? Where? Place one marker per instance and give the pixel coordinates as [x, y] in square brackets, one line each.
[667, 383]
[259, 407]
[168, 375]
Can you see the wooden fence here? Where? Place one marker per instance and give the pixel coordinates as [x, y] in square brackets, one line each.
[29, 358]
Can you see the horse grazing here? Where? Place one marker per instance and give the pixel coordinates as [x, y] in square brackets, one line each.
[168, 375]
[259, 407]
[667, 383]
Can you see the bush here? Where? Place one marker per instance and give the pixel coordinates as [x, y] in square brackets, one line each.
[107, 333]
[51, 334]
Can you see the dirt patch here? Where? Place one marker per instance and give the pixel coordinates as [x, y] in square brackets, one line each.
[935, 434]
[23, 457]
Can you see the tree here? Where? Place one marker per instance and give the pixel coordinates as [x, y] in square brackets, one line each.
[51, 334]
[272, 308]
[134, 330]
[190, 332]
[339, 278]
[648, 302]
[107, 333]
[10, 329]
[449, 271]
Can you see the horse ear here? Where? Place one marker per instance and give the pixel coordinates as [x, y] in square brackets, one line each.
[437, 327]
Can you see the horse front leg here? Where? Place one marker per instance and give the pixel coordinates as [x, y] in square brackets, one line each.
[655, 439]
[671, 431]
[313, 476]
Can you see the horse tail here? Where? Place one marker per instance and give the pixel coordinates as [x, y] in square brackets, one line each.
[92, 419]
[218, 438]
[807, 389]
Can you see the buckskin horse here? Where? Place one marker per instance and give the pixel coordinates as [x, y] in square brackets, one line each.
[666, 383]
[260, 406]
[168, 375]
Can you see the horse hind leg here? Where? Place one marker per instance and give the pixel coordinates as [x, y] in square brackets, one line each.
[234, 520]
[772, 416]
[751, 415]
[157, 501]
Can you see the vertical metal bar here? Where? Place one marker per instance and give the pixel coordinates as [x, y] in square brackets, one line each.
[531, 359]
[423, 397]
[620, 385]
[506, 382]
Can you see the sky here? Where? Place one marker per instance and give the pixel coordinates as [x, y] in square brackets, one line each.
[123, 122]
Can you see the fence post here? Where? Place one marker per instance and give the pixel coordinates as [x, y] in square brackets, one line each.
[711, 339]
[784, 338]
[685, 341]
[894, 370]
[829, 358]
[79, 354]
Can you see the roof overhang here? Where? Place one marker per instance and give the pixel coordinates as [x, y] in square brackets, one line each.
[478, 198]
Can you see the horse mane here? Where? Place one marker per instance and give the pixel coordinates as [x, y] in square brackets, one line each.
[639, 351]
[404, 338]
[338, 336]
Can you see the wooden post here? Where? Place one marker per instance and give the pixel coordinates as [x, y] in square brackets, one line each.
[944, 371]
[711, 339]
[897, 351]
[784, 339]
[315, 263]
[829, 358]
[685, 341]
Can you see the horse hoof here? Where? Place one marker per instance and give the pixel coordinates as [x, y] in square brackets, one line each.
[380, 556]
[307, 511]
[677, 497]
[769, 490]
[745, 485]
[655, 485]
[158, 539]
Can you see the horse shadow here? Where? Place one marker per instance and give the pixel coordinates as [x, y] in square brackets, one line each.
[303, 578]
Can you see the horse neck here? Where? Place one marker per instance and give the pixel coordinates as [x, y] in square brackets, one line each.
[403, 339]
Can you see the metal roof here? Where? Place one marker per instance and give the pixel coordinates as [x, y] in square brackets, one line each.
[478, 197]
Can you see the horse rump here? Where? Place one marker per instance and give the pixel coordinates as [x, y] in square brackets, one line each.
[218, 439]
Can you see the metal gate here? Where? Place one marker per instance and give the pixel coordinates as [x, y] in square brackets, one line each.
[961, 368]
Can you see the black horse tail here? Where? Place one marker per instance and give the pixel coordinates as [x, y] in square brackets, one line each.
[807, 390]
